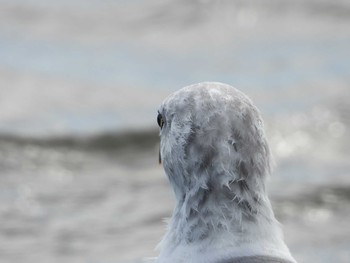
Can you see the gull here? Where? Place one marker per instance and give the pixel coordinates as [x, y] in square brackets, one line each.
[216, 157]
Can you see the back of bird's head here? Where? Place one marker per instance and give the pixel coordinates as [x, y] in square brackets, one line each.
[211, 132]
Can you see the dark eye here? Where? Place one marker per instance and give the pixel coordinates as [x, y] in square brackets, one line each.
[160, 120]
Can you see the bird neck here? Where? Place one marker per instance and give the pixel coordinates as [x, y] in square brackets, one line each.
[200, 214]
[212, 220]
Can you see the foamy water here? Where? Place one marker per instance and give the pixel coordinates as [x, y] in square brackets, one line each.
[76, 77]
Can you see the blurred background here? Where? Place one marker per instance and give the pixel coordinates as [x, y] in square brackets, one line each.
[80, 84]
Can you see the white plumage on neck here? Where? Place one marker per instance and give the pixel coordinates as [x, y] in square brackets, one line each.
[216, 156]
[236, 239]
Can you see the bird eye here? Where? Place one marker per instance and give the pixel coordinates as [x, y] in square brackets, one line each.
[160, 120]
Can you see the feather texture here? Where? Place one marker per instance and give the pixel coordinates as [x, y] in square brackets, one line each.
[217, 158]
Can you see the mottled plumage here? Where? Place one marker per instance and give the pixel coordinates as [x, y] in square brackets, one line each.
[216, 157]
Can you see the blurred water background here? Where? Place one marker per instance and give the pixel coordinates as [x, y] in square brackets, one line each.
[80, 83]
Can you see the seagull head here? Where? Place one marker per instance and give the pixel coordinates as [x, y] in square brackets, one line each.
[212, 139]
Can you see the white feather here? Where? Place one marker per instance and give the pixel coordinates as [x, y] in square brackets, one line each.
[216, 156]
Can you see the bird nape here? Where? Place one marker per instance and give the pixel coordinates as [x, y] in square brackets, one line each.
[214, 151]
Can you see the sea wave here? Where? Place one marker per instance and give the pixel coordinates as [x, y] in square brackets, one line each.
[107, 141]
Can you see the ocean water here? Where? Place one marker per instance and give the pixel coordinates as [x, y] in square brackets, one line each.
[80, 83]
